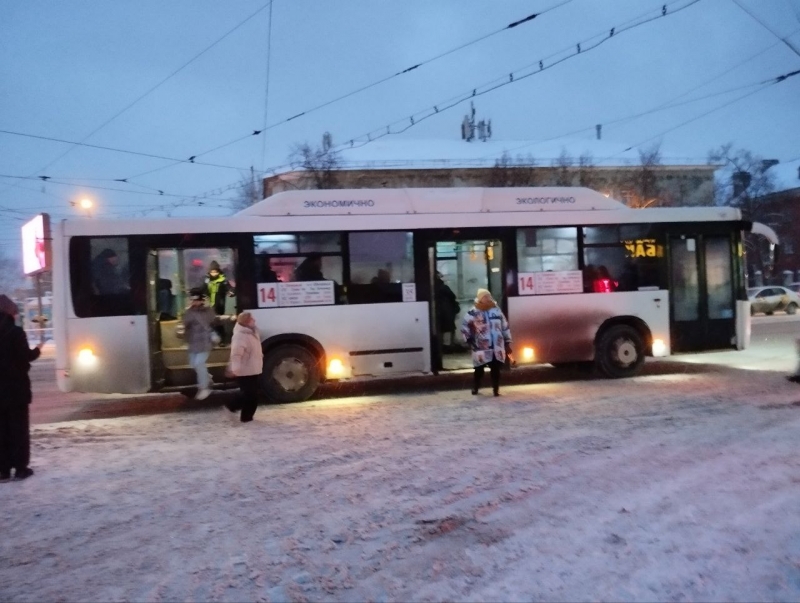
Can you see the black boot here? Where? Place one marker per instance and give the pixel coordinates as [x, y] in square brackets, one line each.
[23, 473]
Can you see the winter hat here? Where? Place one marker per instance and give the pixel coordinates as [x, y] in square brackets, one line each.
[197, 294]
[214, 265]
[7, 306]
[481, 294]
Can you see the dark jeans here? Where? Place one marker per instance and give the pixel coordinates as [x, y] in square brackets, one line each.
[494, 369]
[248, 401]
[15, 439]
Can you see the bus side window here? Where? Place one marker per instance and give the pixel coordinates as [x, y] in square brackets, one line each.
[547, 249]
[101, 281]
[380, 262]
[622, 258]
[307, 257]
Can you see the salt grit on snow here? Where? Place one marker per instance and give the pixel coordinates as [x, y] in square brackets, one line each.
[673, 487]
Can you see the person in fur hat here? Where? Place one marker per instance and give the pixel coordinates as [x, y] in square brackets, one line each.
[487, 333]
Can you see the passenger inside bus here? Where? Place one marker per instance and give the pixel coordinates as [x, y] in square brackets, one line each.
[447, 308]
[218, 289]
[266, 274]
[597, 279]
[165, 300]
[106, 277]
[310, 269]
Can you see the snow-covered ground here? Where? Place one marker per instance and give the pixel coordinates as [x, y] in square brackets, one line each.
[682, 485]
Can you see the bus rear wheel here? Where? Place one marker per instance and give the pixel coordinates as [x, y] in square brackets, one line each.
[291, 374]
[620, 352]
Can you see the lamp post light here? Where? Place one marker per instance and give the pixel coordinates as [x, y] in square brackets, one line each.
[86, 204]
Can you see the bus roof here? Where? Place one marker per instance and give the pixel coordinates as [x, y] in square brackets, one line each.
[410, 209]
[384, 201]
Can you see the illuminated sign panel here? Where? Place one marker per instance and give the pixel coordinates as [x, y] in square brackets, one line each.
[36, 245]
[643, 248]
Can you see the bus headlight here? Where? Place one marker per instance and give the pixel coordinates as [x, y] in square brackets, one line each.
[86, 357]
[659, 347]
[528, 354]
[335, 368]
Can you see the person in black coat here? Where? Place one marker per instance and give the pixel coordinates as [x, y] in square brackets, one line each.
[447, 309]
[15, 393]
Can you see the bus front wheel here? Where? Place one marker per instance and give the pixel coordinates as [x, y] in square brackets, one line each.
[291, 374]
[620, 352]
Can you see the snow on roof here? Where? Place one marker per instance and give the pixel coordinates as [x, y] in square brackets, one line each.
[441, 153]
[787, 175]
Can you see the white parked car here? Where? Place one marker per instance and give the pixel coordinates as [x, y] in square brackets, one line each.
[773, 298]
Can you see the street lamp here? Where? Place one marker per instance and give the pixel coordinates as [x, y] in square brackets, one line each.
[86, 204]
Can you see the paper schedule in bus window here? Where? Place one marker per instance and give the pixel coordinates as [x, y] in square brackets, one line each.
[549, 283]
[302, 293]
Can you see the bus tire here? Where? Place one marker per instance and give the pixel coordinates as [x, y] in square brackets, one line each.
[291, 374]
[791, 308]
[619, 351]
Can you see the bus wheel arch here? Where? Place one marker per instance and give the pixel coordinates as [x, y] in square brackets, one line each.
[621, 345]
[293, 367]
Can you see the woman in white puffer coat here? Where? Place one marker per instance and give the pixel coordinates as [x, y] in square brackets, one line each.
[246, 363]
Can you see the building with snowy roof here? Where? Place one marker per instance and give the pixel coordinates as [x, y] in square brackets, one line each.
[651, 178]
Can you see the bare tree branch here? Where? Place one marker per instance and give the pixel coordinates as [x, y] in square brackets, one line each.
[320, 164]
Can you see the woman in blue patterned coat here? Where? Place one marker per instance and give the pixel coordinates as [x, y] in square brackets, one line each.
[486, 331]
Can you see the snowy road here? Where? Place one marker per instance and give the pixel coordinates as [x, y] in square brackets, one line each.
[772, 348]
[679, 485]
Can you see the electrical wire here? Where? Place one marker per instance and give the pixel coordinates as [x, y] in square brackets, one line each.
[512, 78]
[669, 104]
[266, 88]
[378, 82]
[191, 159]
[773, 82]
[163, 81]
[767, 27]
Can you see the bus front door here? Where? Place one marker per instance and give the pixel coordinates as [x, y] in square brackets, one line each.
[702, 298]
[174, 274]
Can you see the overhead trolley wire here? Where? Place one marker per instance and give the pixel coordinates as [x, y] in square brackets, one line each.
[669, 104]
[763, 86]
[266, 86]
[768, 28]
[411, 68]
[155, 87]
[191, 159]
[378, 82]
[514, 76]
[579, 48]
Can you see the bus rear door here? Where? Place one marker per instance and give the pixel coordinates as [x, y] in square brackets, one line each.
[702, 292]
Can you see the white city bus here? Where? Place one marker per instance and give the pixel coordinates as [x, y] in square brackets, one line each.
[343, 284]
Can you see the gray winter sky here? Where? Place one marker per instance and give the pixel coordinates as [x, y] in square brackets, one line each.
[67, 68]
